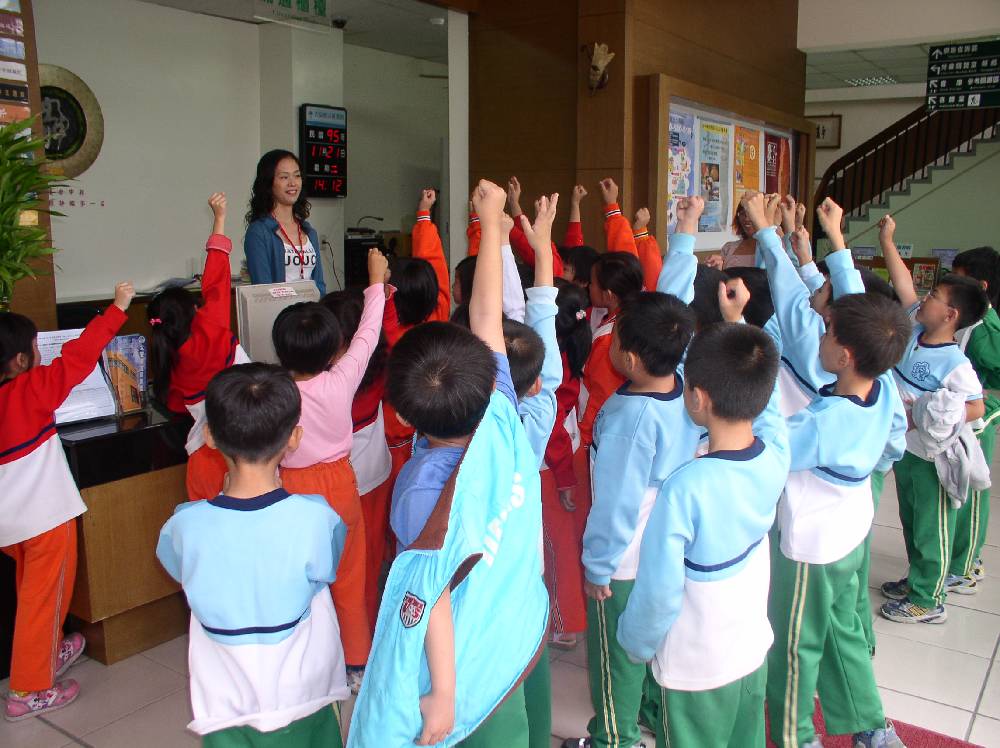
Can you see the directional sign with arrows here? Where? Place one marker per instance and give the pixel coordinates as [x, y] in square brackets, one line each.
[964, 75]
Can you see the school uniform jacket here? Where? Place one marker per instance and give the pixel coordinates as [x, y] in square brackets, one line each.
[981, 343]
[698, 611]
[926, 368]
[38, 491]
[836, 442]
[264, 645]
[639, 439]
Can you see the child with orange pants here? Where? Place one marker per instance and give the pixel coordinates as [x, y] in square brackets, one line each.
[422, 294]
[40, 502]
[190, 344]
[370, 456]
[307, 339]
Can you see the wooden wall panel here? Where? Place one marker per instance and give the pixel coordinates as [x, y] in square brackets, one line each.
[523, 59]
[36, 297]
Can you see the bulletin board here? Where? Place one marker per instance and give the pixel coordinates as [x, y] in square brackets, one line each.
[718, 146]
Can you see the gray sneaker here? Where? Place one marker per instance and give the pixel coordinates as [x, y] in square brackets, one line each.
[882, 738]
[907, 611]
[960, 585]
[896, 590]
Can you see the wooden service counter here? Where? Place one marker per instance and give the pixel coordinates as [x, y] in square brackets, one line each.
[130, 471]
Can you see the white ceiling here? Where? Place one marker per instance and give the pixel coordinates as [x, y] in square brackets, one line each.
[400, 26]
[904, 64]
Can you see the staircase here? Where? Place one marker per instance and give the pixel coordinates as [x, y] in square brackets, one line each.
[901, 162]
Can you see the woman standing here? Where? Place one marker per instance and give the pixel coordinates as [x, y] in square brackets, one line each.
[280, 244]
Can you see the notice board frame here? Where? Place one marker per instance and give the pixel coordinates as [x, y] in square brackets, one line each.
[664, 88]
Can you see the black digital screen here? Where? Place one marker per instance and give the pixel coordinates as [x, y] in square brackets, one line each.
[323, 150]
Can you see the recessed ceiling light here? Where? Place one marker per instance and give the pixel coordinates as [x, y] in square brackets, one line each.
[871, 80]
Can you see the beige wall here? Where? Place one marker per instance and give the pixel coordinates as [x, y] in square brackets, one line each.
[857, 24]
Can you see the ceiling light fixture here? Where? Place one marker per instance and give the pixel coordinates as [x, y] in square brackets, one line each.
[871, 80]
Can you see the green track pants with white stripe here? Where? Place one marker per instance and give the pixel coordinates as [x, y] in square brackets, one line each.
[928, 520]
[864, 599]
[730, 715]
[819, 645]
[973, 518]
[616, 683]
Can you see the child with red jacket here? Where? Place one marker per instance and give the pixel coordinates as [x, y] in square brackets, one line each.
[40, 502]
[190, 344]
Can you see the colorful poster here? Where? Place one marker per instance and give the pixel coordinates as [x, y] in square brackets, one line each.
[714, 174]
[11, 48]
[12, 113]
[681, 163]
[14, 6]
[746, 161]
[12, 25]
[777, 164]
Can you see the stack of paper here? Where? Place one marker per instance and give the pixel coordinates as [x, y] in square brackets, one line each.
[91, 398]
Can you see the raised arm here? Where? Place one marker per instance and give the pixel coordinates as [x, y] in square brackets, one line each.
[513, 291]
[574, 229]
[617, 232]
[427, 246]
[680, 265]
[518, 241]
[648, 248]
[808, 271]
[799, 325]
[538, 412]
[216, 280]
[486, 304]
[899, 274]
[50, 385]
[350, 368]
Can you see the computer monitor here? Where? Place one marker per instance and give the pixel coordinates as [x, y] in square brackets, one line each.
[258, 306]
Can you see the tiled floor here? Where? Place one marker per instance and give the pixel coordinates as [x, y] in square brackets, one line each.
[946, 678]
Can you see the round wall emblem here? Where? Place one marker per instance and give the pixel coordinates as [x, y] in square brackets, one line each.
[72, 119]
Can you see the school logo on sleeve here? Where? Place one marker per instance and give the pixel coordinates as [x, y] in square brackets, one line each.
[412, 610]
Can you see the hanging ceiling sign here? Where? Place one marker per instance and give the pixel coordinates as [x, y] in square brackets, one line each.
[964, 76]
[307, 11]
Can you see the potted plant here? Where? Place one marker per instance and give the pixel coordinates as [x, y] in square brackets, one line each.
[23, 184]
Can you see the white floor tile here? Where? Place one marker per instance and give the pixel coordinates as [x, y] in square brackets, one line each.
[886, 568]
[930, 715]
[160, 725]
[576, 656]
[887, 514]
[109, 693]
[888, 541]
[172, 654]
[969, 631]
[991, 557]
[985, 732]
[942, 675]
[990, 705]
[30, 733]
[571, 709]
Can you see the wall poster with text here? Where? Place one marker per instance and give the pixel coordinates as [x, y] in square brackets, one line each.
[714, 175]
[746, 161]
[680, 172]
[777, 164]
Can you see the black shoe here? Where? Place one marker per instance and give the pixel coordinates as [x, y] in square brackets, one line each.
[576, 743]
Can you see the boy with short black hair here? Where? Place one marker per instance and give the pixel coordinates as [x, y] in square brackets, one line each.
[933, 369]
[255, 563]
[467, 510]
[641, 435]
[698, 611]
[826, 512]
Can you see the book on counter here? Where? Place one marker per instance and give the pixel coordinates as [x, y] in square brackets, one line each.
[122, 390]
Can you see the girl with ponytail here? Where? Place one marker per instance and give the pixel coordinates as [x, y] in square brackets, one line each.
[189, 345]
[564, 508]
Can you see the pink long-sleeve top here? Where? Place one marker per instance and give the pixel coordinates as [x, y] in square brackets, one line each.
[326, 398]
